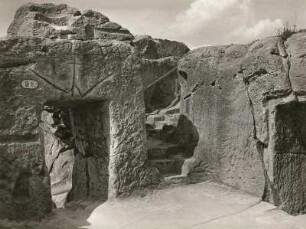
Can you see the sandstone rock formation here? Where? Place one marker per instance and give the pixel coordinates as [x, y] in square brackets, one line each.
[93, 72]
[160, 56]
[59, 152]
[71, 74]
[75, 89]
[151, 48]
[61, 21]
[248, 103]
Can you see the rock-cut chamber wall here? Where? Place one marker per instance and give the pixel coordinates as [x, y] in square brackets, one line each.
[59, 58]
[248, 105]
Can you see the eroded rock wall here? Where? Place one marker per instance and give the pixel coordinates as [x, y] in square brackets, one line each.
[34, 71]
[58, 55]
[62, 21]
[232, 94]
[160, 58]
[58, 79]
[59, 152]
[216, 101]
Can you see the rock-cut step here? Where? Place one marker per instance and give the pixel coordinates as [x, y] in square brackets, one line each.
[159, 149]
[168, 166]
[164, 117]
[166, 157]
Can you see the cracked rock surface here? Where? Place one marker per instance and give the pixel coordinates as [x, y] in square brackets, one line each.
[68, 72]
[62, 21]
[58, 55]
[237, 96]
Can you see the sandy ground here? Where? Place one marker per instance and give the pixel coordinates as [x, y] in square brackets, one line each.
[205, 205]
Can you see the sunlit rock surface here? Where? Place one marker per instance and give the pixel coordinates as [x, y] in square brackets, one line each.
[62, 21]
[247, 102]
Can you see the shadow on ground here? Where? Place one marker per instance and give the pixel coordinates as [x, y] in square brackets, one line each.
[205, 205]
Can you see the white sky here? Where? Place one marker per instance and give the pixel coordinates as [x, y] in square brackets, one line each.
[195, 22]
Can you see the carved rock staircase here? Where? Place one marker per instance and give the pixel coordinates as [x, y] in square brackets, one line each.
[163, 152]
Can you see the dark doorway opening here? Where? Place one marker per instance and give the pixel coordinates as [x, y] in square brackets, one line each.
[289, 169]
[76, 144]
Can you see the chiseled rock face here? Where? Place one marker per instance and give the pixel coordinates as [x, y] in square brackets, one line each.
[69, 73]
[247, 103]
[160, 56]
[62, 21]
[90, 68]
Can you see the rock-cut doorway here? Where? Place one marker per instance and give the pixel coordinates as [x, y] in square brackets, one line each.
[289, 167]
[76, 147]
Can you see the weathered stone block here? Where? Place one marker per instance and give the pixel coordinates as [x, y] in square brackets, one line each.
[25, 182]
[68, 73]
[296, 49]
[290, 181]
[62, 21]
[215, 100]
[243, 100]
